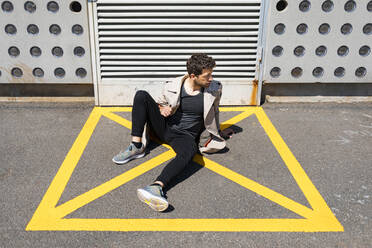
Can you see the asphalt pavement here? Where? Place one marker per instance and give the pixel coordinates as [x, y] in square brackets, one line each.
[253, 194]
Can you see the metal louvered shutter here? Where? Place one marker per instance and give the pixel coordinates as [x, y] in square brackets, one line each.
[142, 43]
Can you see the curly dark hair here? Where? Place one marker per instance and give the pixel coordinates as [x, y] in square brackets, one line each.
[199, 61]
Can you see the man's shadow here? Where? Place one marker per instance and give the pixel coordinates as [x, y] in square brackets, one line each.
[191, 168]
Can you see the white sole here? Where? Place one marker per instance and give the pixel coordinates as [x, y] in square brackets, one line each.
[155, 202]
[129, 159]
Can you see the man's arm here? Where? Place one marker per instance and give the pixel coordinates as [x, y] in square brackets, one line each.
[165, 109]
[226, 133]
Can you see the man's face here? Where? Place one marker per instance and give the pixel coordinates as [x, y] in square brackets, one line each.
[204, 79]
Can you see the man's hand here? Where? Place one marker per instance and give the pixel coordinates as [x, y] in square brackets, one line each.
[165, 110]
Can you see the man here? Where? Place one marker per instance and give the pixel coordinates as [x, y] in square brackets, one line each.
[188, 105]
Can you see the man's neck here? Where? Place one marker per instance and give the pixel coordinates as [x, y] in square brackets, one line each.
[190, 84]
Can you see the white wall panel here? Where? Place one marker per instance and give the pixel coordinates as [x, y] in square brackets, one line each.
[348, 28]
[19, 65]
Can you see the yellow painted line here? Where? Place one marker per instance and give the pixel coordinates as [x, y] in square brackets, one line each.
[237, 109]
[236, 119]
[247, 112]
[114, 109]
[128, 124]
[193, 225]
[95, 193]
[255, 187]
[56, 188]
[49, 217]
[311, 193]
[118, 119]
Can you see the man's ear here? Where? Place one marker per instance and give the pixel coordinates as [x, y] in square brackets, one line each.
[192, 76]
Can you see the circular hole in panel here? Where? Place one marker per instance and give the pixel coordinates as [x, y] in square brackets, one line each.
[17, 72]
[79, 51]
[279, 28]
[275, 72]
[302, 28]
[364, 51]
[346, 28]
[75, 6]
[57, 51]
[52, 7]
[7, 6]
[361, 72]
[318, 72]
[277, 51]
[304, 6]
[32, 29]
[350, 6]
[30, 6]
[10, 29]
[339, 72]
[281, 5]
[81, 73]
[343, 51]
[55, 29]
[296, 72]
[369, 6]
[367, 29]
[321, 51]
[38, 72]
[13, 51]
[77, 29]
[327, 6]
[324, 28]
[59, 72]
[35, 51]
[299, 51]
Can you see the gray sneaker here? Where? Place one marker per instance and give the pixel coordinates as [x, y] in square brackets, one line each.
[153, 196]
[130, 153]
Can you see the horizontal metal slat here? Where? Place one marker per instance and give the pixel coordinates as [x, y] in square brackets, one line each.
[177, 51]
[247, 39]
[210, 7]
[161, 79]
[154, 33]
[171, 56]
[103, 74]
[175, 45]
[126, 14]
[170, 21]
[179, 2]
[170, 63]
[178, 26]
[168, 68]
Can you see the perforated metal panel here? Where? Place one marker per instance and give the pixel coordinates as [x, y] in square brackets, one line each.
[318, 41]
[44, 42]
[141, 43]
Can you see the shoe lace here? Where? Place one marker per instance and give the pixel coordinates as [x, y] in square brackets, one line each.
[126, 150]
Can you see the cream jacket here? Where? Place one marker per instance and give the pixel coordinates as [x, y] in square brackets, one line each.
[210, 140]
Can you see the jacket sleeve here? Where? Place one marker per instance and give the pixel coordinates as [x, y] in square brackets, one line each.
[216, 108]
[162, 100]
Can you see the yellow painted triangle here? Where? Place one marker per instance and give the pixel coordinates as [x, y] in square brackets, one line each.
[48, 216]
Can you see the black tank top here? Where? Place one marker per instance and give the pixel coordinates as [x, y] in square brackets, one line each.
[189, 115]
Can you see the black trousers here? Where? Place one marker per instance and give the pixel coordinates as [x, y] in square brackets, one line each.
[146, 110]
